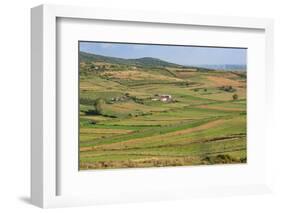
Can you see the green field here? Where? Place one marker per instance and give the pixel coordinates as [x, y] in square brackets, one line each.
[150, 113]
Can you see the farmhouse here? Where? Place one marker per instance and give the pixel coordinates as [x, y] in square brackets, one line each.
[120, 98]
[165, 98]
[162, 97]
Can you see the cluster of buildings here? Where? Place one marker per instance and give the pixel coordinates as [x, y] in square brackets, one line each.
[162, 97]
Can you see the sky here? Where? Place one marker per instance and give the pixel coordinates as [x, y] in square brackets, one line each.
[184, 55]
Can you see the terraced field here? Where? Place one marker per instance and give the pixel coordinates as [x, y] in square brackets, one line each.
[165, 115]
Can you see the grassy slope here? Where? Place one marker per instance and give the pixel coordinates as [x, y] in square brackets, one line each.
[204, 125]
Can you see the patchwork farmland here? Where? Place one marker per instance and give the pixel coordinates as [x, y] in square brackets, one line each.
[150, 113]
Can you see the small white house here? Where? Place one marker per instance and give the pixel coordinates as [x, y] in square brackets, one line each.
[165, 98]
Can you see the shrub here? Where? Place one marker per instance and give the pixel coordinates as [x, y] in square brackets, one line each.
[99, 105]
[227, 88]
[221, 159]
[234, 96]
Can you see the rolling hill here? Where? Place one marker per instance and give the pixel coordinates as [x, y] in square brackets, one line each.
[146, 62]
[147, 112]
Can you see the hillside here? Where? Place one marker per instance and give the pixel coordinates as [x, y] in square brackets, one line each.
[145, 62]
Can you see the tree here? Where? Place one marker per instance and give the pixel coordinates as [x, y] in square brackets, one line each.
[99, 105]
[235, 96]
[127, 94]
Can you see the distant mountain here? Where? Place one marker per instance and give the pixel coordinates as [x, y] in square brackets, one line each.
[153, 62]
[144, 62]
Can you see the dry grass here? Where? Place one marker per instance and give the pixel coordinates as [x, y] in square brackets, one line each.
[141, 163]
[162, 162]
[220, 108]
[104, 131]
[138, 75]
[218, 81]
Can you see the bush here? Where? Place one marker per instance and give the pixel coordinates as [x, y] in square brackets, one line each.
[222, 159]
[227, 88]
[99, 106]
[235, 96]
[91, 112]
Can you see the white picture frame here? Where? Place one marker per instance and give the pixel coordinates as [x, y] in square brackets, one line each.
[44, 154]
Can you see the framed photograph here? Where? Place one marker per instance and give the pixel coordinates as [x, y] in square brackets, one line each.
[131, 106]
